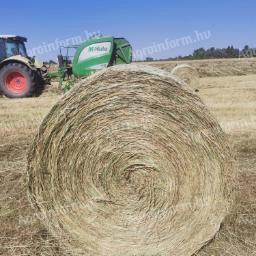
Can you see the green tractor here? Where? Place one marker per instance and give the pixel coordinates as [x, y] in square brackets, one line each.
[20, 75]
[92, 55]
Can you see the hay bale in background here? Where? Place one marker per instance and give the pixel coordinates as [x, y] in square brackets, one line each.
[130, 162]
[188, 75]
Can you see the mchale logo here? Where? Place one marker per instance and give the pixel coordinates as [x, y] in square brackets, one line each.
[98, 49]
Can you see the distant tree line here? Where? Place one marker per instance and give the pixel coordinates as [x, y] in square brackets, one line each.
[216, 53]
[219, 53]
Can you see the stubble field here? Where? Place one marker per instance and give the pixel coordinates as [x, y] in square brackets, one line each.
[228, 88]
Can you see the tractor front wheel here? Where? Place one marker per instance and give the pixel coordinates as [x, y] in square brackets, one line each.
[18, 81]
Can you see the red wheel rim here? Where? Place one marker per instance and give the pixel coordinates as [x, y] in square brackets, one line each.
[16, 82]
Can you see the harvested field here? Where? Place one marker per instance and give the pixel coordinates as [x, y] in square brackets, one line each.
[232, 99]
[215, 67]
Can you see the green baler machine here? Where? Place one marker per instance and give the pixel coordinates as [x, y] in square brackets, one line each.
[92, 55]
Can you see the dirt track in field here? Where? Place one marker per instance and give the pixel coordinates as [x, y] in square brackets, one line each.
[232, 99]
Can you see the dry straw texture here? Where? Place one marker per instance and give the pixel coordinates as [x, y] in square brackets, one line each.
[130, 162]
[187, 74]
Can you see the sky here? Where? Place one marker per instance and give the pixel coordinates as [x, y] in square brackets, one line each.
[158, 29]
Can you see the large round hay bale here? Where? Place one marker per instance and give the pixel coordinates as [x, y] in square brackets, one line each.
[187, 74]
[130, 162]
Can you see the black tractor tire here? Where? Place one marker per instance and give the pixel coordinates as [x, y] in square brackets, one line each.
[19, 81]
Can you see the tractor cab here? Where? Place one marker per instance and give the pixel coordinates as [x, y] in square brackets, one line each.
[20, 75]
[11, 45]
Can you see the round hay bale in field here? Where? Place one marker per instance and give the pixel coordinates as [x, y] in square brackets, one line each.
[129, 162]
[187, 74]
